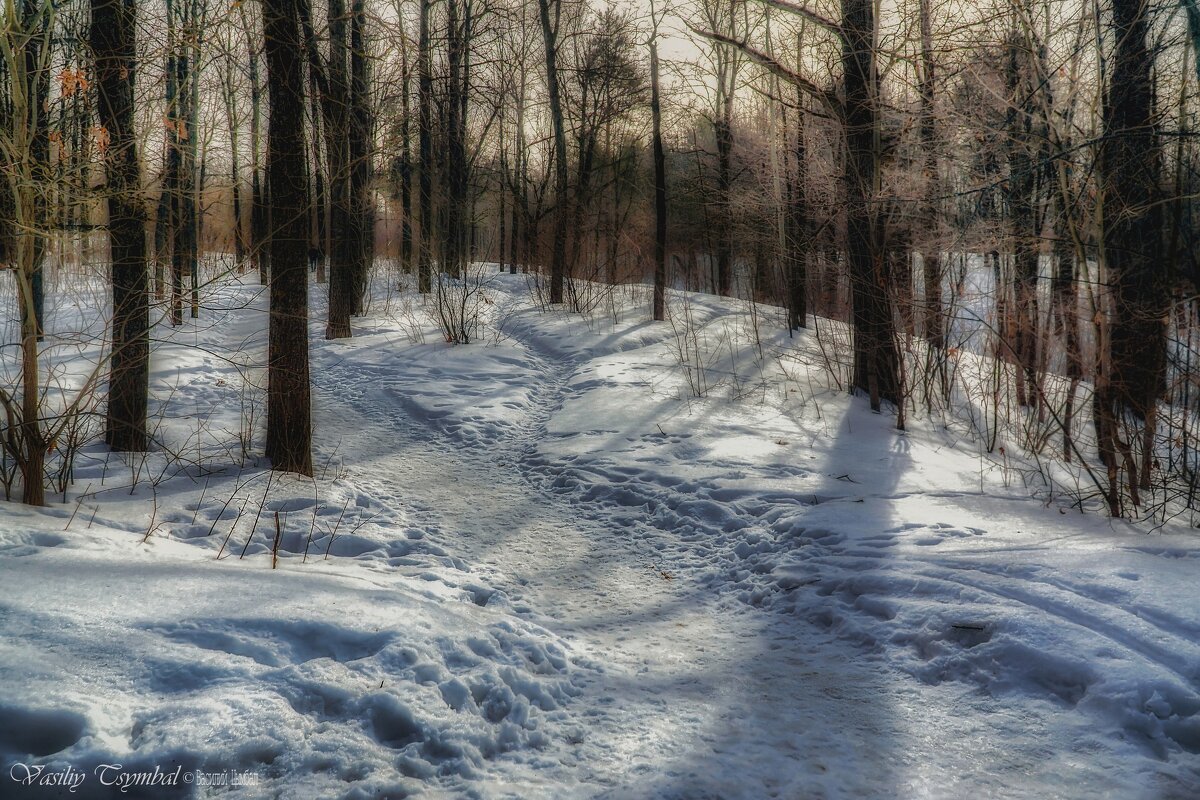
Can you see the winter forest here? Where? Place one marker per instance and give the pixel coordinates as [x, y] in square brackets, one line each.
[671, 399]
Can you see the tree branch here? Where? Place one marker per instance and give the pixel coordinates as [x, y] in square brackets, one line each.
[811, 16]
[771, 64]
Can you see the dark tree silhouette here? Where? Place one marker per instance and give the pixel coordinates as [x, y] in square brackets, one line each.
[289, 421]
[876, 361]
[113, 40]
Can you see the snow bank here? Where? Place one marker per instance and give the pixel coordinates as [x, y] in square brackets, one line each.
[592, 556]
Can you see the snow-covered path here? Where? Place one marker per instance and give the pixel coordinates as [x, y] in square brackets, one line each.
[701, 689]
[694, 695]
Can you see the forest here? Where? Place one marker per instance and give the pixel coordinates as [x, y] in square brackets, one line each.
[567, 398]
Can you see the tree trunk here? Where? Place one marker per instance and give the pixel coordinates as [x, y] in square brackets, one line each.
[1066, 316]
[797, 226]
[318, 233]
[876, 361]
[194, 168]
[37, 17]
[723, 130]
[454, 165]
[362, 209]
[558, 257]
[406, 182]
[660, 186]
[162, 228]
[1024, 167]
[1130, 163]
[425, 144]
[113, 45]
[260, 215]
[336, 103]
[501, 190]
[28, 181]
[931, 262]
[229, 94]
[289, 422]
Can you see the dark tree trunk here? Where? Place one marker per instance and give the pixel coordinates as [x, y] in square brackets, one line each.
[1130, 163]
[260, 220]
[162, 231]
[260, 224]
[317, 86]
[1133, 376]
[193, 166]
[229, 94]
[502, 190]
[174, 173]
[344, 238]
[876, 361]
[182, 155]
[723, 130]
[319, 214]
[1023, 191]
[37, 74]
[900, 275]
[405, 165]
[425, 103]
[289, 422]
[31, 206]
[362, 210]
[454, 253]
[8, 201]
[113, 45]
[931, 262]
[522, 222]
[1066, 321]
[660, 188]
[797, 226]
[558, 257]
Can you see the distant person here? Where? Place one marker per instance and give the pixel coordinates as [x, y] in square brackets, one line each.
[314, 258]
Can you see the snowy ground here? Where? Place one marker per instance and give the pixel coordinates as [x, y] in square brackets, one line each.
[539, 566]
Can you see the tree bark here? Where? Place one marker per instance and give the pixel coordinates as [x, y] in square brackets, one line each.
[558, 256]
[362, 209]
[113, 43]
[876, 361]
[797, 226]
[454, 201]
[931, 262]
[723, 131]
[660, 186]
[289, 422]
[405, 165]
[336, 102]
[1023, 190]
[1130, 164]
[229, 95]
[260, 214]
[425, 145]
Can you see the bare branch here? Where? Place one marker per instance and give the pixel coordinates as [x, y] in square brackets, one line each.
[771, 64]
[811, 16]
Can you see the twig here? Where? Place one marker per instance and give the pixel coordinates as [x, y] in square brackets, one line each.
[275, 546]
[258, 515]
[153, 514]
[333, 533]
[78, 502]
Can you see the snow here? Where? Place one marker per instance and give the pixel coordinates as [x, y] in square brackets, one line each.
[542, 566]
